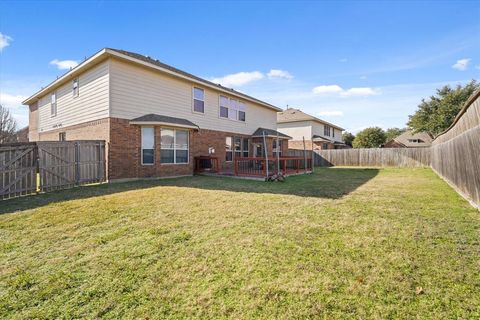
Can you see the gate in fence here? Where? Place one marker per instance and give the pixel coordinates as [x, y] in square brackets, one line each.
[28, 168]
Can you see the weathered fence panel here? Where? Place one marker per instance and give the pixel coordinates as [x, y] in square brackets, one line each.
[28, 168]
[18, 167]
[456, 152]
[375, 157]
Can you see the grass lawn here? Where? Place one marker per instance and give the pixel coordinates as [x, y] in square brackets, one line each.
[342, 243]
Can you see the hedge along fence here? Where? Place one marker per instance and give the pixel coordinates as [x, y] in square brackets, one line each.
[456, 152]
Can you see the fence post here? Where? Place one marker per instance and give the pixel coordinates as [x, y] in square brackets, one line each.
[38, 181]
[77, 170]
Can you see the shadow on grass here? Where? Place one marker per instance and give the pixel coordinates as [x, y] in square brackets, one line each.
[330, 183]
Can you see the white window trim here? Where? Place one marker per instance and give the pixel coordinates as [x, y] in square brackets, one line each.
[228, 108]
[141, 147]
[193, 100]
[174, 149]
[53, 114]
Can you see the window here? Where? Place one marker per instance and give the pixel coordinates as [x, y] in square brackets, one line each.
[228, 149]
[223, 107]
[53, 104]
[232, 109]
[148, 145]
[325, 146]
[240, 147]
[62, 136]
[333, 132]
[198, 100]
[174, 146]
[277, 148]
[75, 87]
[241, 116]
[326, 130]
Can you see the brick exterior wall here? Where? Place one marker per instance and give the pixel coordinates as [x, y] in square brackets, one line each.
[298, 145]
[92, 130]
[123, 142]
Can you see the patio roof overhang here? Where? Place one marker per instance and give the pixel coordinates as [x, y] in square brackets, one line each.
[269, 133]
[317, 138]
[160, 120]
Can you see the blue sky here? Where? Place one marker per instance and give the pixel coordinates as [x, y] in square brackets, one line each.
[356, 64]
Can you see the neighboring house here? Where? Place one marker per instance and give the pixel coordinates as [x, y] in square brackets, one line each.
[410, 140]
[318, 134]
[154, 118]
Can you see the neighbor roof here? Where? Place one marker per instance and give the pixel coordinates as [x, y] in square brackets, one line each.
[409, 135]
[296, 115]
[165, 120]
[142, 60]
[269, 133]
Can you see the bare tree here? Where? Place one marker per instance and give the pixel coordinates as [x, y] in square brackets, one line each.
[8, 126]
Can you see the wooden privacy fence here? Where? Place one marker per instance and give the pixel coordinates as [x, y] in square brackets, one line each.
[28, 168]
[391, 157]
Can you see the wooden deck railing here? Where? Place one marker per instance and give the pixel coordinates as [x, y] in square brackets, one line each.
[251, 166]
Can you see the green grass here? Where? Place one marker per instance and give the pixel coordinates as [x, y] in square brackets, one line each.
[342, 243]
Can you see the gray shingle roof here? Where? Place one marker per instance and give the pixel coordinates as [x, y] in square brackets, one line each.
[150, 118]
[424, 137]
[317, 137]
[294, 115]
[269, 133]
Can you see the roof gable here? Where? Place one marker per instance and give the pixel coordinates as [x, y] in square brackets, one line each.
[296, 115]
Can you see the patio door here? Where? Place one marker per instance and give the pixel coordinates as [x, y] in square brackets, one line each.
[258, 150]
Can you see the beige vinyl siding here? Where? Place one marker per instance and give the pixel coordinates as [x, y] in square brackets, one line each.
[297, 130]
[136, 91]
[318, 129]
[90, 104]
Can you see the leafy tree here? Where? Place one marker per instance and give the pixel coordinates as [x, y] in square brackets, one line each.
[372, 137]
[436, 114]
[392, 133]
[8, 126]
[348, 138]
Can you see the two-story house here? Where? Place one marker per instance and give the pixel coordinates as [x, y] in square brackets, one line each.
[154, 118]
[317, 134]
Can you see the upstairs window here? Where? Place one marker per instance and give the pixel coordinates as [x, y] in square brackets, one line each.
[326, 131]
[148, 145]
[232, 109]
[333, 132]
[62, 136]
[53, 104]
[75, 87]
[198, 100]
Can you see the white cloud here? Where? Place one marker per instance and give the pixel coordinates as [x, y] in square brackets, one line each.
[330, 113]
[461, 64]
[4, 41]
[336, 89]
[11, 101]
[277, 73]
[333, 88]
[238, 79]
[359, 92]
[64, 64]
